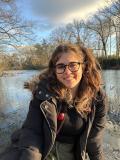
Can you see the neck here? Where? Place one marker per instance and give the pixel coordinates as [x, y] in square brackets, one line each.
[74, 92]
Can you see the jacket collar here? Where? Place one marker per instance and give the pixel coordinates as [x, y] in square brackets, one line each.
[43, 92]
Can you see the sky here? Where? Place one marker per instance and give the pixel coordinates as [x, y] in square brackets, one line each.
[50, 14]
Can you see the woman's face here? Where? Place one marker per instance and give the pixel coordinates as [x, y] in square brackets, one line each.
[69, 78]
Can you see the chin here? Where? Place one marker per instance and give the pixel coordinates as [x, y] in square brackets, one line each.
[70, 86]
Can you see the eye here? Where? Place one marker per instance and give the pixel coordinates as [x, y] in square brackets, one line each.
[73, 64]
[60, 66]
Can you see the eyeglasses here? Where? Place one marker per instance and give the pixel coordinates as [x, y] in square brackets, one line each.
[72, 66]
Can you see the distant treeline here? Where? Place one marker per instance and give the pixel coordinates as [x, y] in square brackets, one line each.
[38, 57]
[40, 61]
[109, 62]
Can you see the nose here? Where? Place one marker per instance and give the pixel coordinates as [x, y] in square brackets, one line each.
[67, 71]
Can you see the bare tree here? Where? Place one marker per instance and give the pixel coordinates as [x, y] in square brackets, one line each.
[75, 32]
[12, 29]
[83, 34]
[76, 29]
[59, 35]
[101, 27]
[114, 7]
[113, 11]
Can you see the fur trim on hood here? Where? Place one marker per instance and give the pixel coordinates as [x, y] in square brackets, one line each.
[32, 85]
[39, 89]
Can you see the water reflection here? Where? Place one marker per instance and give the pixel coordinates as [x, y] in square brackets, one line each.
[12, 94]
[112, 83]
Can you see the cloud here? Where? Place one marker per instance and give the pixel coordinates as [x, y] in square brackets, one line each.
[49, 14]
[57, 11]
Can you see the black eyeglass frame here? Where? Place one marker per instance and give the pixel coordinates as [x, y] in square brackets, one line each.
[65, 65]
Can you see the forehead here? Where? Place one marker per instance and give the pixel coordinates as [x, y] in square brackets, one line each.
[68, 57]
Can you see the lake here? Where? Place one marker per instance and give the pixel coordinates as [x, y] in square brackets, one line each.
[14, 99]
[13, 96]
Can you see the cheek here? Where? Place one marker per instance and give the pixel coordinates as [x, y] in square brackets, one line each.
[59, 77]
[79, 75]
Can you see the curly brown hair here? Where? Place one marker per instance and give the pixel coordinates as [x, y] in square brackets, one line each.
[89, 84]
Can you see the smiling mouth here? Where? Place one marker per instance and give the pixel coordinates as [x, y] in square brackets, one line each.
[68, 79]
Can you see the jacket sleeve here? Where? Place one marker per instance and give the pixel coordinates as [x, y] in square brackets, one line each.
[31, 136]
[95, 139]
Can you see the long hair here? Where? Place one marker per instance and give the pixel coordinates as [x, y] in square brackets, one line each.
[90, 81]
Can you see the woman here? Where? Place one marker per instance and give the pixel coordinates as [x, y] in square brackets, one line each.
[67, 114]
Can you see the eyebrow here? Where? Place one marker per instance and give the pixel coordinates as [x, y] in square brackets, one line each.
[60, 64]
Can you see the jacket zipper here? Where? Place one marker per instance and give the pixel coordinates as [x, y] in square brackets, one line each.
[48, 127]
